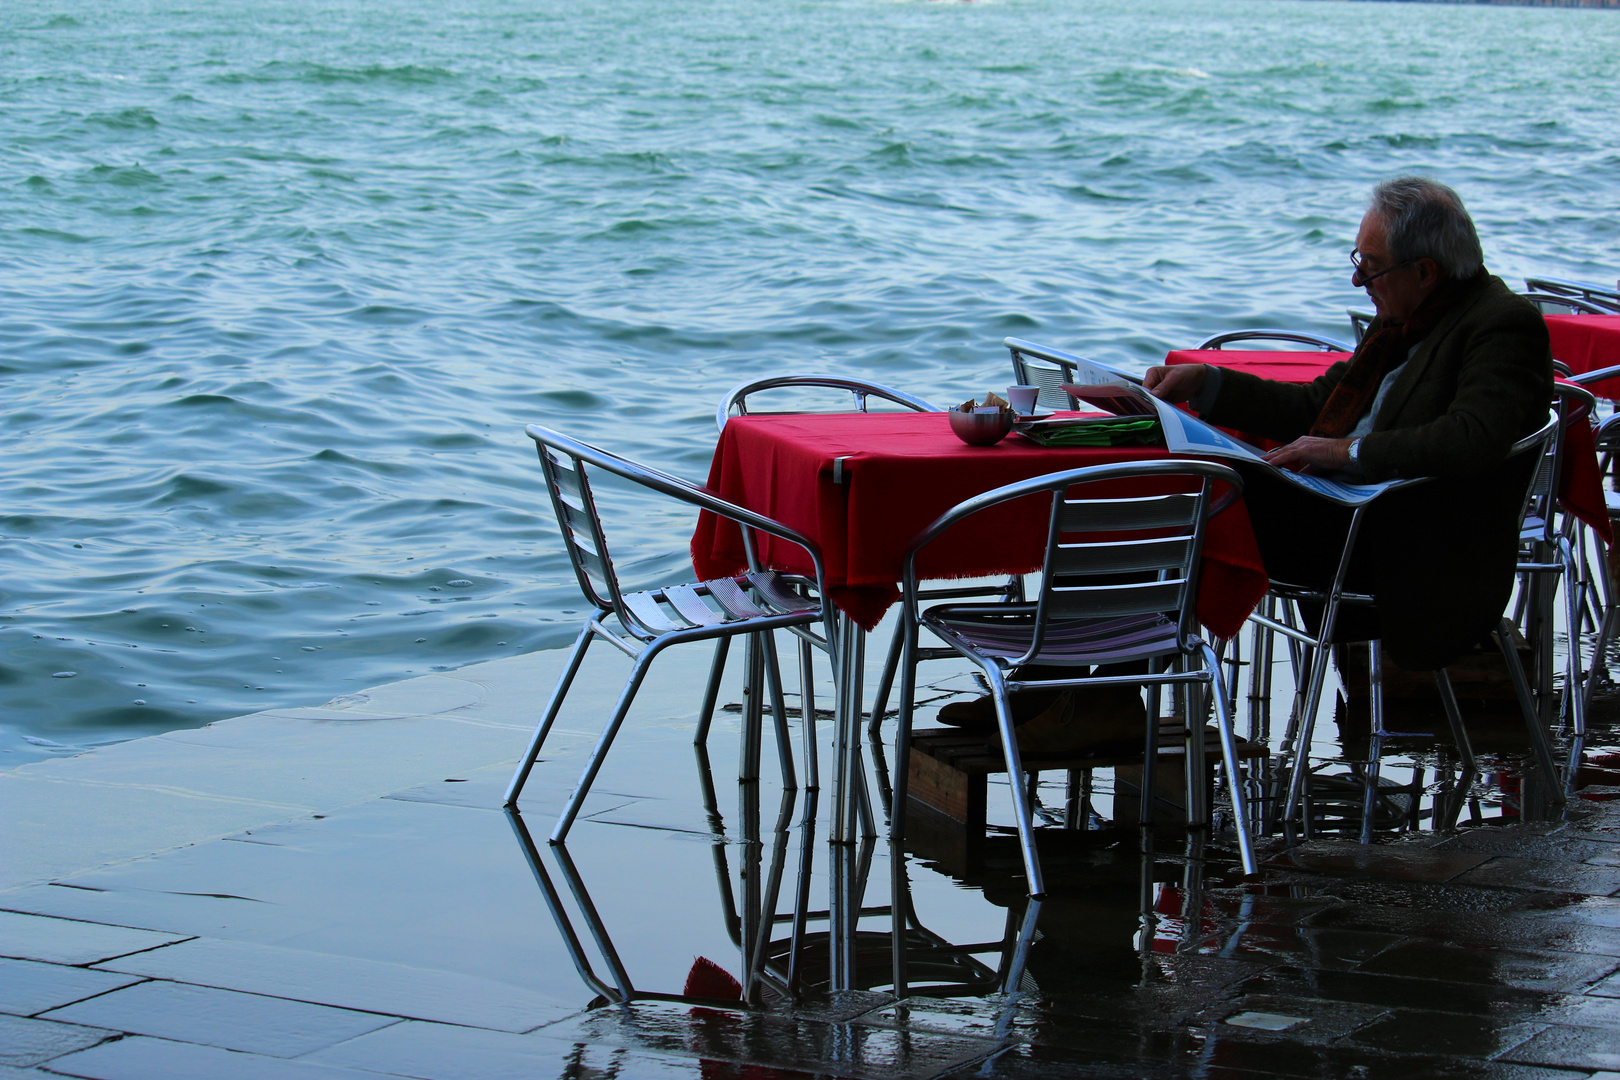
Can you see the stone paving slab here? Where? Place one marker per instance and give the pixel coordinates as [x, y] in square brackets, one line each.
[61, 941]
[348, 983]
[25, 1041]
[140, 1058]
[28, 987]
[224, 1018]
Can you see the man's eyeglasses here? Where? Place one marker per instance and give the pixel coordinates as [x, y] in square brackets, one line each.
[1362, 277]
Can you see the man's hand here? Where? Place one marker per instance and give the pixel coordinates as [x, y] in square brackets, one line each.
[1312, 453]
[1175, 384]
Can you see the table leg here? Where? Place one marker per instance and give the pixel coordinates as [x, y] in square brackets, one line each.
[847, 778]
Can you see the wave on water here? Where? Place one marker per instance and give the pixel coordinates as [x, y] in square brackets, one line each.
[284, 279]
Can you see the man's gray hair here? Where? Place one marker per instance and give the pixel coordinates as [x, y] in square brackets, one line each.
[1427, 220]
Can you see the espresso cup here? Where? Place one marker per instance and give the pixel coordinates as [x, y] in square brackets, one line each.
[1022, 398]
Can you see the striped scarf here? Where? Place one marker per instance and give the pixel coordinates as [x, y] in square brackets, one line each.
[1382, 353]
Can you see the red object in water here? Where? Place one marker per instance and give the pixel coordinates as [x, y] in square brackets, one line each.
[708, 979]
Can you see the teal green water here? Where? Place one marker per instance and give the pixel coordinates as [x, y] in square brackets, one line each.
[280, 283]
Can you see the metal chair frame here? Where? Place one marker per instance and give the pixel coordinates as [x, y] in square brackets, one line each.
[1312, 651]
[1556, 304]
[735, 403]
[1360, 319]
[1298, 337]
[1548, 550]
[1049, 371]
[1603, 297]
[1052, 629]
[650, 621]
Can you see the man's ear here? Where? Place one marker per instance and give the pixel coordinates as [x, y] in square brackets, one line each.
[1429, 274]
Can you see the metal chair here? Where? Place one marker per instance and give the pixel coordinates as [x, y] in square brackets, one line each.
[1316, 648]
[1601, 296]
[648, 622]
[1297, 337]
[1360, 319]
[1086, 615]
[1047, 368]
[1556, 304]
[735, 402]
[1547, 550]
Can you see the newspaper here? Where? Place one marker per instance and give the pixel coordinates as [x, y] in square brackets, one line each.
[1122, 393]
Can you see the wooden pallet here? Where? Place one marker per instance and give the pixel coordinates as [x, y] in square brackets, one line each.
[949, 770]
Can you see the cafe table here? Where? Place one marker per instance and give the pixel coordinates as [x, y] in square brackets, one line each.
[864, 485]
[1580, 489]
[1586, 343]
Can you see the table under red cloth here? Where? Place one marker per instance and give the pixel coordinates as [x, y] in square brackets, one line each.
[900, 471]
[1587, 343]
[1580, 489]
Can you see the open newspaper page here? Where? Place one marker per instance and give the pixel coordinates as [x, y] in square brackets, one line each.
[1122, 393]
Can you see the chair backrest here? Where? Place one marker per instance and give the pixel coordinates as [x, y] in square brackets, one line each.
[1605, 298]
[735, 402]
[1553, 304]
[1572, 405]
[1047, 368]
[563, 459]
[1123, 539]
[1360, 319]
[1295, 337]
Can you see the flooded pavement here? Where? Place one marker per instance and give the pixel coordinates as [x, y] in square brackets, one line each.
[695, 926]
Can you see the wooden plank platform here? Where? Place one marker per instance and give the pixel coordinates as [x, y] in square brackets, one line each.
[948, 769]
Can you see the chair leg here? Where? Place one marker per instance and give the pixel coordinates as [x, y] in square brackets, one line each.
[1234, 769]
[891, 662]
[1465, 746]
[1192, 709]
[711, 693]
[1375, 741]
[521, 776]
[1150, 751]
[603, 743]
[1016, 780]
[1538, 730]
[807, 716]
[1574, 684]
[784, 738]
[902, 733]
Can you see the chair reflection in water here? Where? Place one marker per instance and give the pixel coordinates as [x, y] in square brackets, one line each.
[643, 624]
[1119, 585]
[782, 955]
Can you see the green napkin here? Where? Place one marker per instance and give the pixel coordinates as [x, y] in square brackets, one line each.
[1097, 431]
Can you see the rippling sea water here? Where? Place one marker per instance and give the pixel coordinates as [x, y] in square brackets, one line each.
[280, 282]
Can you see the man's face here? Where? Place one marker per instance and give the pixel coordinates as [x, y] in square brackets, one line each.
[1398, 293]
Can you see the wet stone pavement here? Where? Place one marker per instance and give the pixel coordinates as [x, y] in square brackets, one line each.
[428, 934]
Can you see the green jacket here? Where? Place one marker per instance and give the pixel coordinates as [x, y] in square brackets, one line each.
[1443, 553]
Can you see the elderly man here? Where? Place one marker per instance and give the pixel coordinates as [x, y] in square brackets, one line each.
[1453, 370]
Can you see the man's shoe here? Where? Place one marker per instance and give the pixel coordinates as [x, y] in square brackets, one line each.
[1088, 720]
[979, 714]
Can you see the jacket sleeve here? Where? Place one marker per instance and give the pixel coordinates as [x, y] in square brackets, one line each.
[1276, 410]
[1490, 387]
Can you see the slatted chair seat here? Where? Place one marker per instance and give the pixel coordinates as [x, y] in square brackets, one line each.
[1067, 642]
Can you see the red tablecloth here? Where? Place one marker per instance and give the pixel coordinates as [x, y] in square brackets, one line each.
[1580, 489]
[1287, 366]
[1586, 343]
[903, 470]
